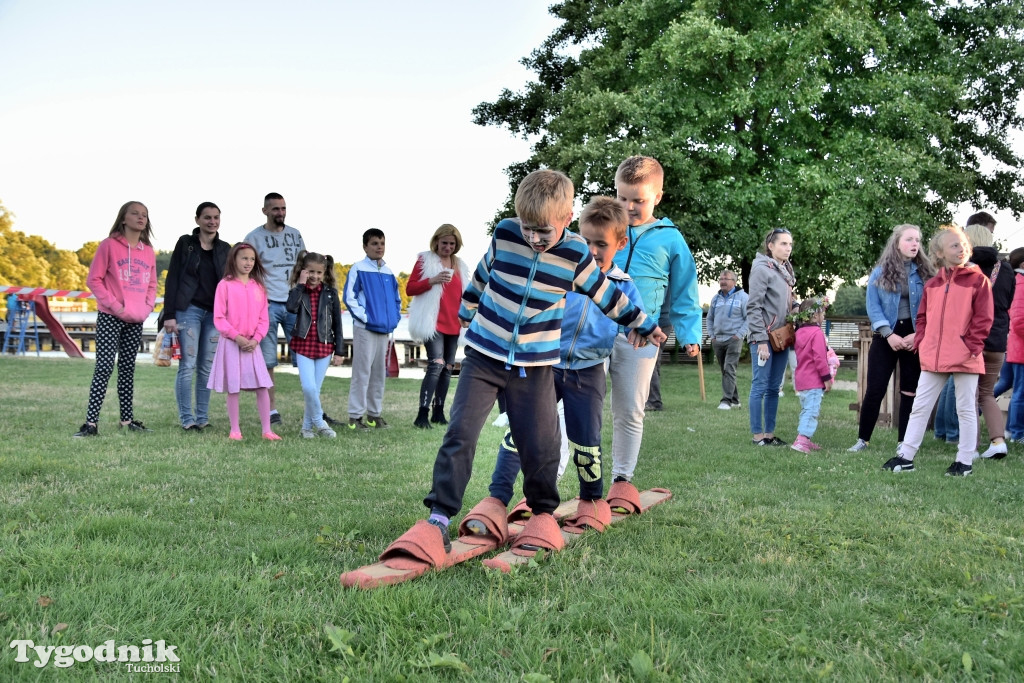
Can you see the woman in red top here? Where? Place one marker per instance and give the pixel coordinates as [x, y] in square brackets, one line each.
[953, 320]
[437, 281]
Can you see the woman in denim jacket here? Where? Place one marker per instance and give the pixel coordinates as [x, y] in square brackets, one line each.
[893, 296]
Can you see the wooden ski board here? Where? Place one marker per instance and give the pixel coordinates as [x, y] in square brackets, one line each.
[380, 574]
[504, 561]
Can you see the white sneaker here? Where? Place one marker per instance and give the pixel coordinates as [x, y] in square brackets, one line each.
[307, 434]
[502, 420]
[996, 450]
[781, 393]
[724, 405]
[737, 405]
[857, 447]
[326, 432]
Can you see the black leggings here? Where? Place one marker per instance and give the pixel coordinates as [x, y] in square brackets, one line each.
[882, 361]
[115, 339]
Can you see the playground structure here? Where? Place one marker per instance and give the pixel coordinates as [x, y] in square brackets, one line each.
[33, 308]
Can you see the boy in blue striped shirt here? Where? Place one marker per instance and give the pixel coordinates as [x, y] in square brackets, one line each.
[513, 307]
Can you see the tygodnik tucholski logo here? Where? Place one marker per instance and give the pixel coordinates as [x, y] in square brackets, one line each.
[137, 659]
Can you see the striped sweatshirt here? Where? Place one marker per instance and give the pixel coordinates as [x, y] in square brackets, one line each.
[516, 298]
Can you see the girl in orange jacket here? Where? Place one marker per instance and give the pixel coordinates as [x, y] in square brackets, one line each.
[953, 320]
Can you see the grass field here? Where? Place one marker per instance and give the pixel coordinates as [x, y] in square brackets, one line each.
[767, 565]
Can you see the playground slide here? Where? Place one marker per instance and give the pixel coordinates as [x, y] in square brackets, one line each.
[57, 330]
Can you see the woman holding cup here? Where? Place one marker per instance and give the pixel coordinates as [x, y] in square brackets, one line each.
[436, 284]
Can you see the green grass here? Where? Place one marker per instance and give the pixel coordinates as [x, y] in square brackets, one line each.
[767, 565]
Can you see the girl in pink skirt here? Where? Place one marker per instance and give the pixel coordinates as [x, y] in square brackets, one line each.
[240, 315]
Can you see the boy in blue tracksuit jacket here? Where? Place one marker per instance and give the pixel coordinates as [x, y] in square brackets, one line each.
[587, 340]
[659, 261]
[371, 296]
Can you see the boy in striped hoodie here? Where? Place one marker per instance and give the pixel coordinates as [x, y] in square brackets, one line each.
[513, 307]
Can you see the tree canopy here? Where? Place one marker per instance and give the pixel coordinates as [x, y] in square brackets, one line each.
[837, 120]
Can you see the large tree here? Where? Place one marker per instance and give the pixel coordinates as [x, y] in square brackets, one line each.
[837, 120]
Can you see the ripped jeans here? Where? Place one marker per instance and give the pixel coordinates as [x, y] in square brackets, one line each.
[438, 376]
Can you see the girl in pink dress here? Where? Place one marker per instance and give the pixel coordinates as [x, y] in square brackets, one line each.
[240, 315]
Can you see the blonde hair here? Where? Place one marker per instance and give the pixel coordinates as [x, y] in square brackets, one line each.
[544, 197]
[446, 230]
[979, 236]
[936, 246]
[606, 212]
[638, 170]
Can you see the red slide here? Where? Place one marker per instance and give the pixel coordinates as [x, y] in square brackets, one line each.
[57, 331]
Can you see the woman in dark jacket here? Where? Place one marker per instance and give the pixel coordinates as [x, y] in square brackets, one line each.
[197, 265]
[1000, 274]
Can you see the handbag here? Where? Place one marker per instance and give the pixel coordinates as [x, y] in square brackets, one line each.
[392, 359]
[782, 338]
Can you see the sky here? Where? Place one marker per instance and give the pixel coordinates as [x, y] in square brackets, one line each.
[359, 113]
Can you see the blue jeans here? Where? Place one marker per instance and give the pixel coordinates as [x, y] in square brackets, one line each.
[198, 340]
[278, 315]
[764, 390]
[1005, 380]
[311, 377]
[947, 424]
[810, 407]
[1015, 418]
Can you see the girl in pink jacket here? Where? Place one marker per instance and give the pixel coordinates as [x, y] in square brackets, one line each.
[240, 315]
[813, 375]
[122, 277]
[953, 320]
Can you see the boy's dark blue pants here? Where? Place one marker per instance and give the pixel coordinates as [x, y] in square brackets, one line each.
[532, 418]
[582, 394]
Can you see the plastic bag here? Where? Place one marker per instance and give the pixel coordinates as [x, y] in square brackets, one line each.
[162, 349]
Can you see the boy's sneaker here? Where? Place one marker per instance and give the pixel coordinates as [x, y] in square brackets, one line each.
[762, 442]
[775, 441]
[899, 464]
[737, 404]
[724, 405]
[376, 422]
[326, 432]
[308, 434]
[357, 425]
[86, 430]
[330, 420]
[135, 426]
[443, 528]
[857, 447]
[996, 451]
[802, 444]
[275, 418]
[958, 469]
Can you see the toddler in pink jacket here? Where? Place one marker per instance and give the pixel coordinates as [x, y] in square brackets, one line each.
[813, 375]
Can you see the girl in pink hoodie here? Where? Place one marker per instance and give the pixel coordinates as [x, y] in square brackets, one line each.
[122, 277]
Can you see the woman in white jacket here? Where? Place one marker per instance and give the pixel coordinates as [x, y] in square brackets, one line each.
[436, 284]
